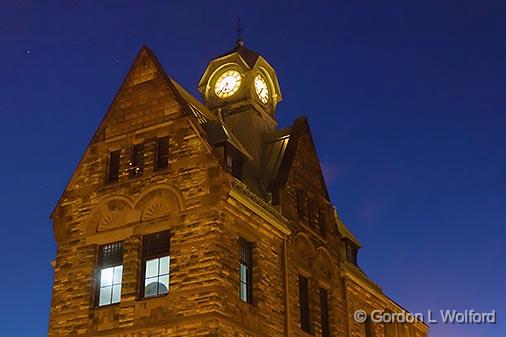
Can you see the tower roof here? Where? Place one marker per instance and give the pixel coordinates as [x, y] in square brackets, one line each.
[249, 56]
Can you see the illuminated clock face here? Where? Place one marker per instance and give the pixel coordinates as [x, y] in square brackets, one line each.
[227, 83]
[261, 89]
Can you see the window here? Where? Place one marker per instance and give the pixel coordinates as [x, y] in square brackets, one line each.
[114, 158]
[234, 161]
[389, 329]
[312, 210]
[351, 254]
[324, 312]
[321, 221]
[236, 167]
[156, 264]
[301, 196]
[368, 327]
[162, 153]
[304, 303]
[402, 330]
[137, 161]
[110, 273]
[246, 270]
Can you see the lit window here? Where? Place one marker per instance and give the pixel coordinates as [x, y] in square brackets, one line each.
[246, 271]
[156, 264]
[162, 153]
[137, 161]
[110, 274]
[156, 281]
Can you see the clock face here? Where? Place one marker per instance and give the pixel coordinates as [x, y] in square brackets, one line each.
[261, 89]
[227, 83]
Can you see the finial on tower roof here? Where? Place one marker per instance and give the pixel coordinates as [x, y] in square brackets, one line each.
[239, 42]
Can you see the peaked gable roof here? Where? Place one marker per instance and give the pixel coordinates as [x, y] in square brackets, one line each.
[345, 231]
[139, 73]
[299, 128]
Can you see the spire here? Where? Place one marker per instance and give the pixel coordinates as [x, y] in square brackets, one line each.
[239, 42]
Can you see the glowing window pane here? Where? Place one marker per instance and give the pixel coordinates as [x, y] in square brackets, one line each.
[164, 265]
[151, 287]
[244, 273]
[244, 292]
[106, 277]
[118, 275]
[116, 293]
[163, 286]
[151, 268]
[156, 281]
[105, 296]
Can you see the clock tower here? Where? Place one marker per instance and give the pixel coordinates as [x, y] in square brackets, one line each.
[241, 88]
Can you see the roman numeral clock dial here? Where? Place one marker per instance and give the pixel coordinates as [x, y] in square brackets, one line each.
[261, 89]
[227, 83]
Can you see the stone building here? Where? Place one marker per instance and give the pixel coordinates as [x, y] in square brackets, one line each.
[185, 218]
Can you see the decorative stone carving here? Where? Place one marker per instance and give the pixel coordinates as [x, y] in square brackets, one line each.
[157, 203]
[157, 207]
[303, 251]
[119, 210]
[111, 213]
[323, 266]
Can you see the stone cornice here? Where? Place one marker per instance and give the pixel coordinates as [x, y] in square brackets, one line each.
[244, 196]
[357, 276]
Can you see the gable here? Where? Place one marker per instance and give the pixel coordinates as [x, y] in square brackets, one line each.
[146, 100]
[301, 161]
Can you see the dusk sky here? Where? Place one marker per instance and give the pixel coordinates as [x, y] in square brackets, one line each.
[406, 101]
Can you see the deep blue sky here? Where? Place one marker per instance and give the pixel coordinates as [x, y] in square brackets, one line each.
[406, 100]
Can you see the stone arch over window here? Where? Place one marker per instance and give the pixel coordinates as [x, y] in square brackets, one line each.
[303, 253]
[110, 213]
[159, 201]
[323, 269]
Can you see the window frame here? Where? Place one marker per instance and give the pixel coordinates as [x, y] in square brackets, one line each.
[114, 156]
[246, 260]
[368, 327]
[137, 160]
[322, 221]
[159, 156]
[312, 212]
[351, 253]
[148, 256]
[304, 304]
[301, 202]
[324, 312]
[102, 264]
